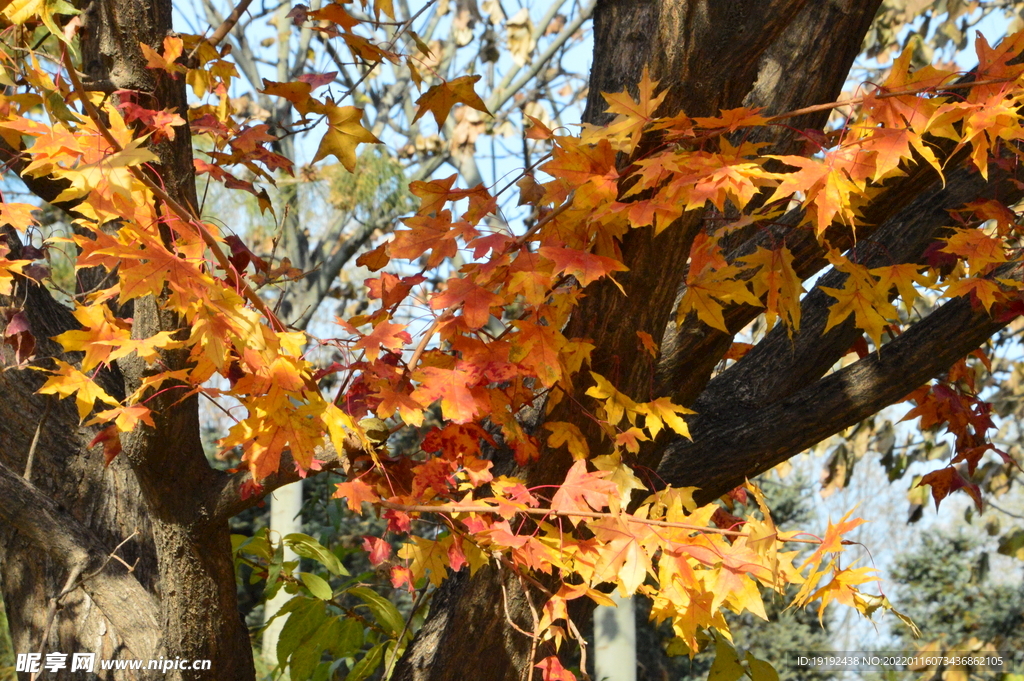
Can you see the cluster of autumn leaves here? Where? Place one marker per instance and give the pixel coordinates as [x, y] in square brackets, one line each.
[477, 360]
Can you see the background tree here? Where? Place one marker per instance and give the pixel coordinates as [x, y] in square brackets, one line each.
[784, 56]
[948, 588]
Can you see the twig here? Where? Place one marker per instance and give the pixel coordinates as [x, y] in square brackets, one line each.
[408, 623]
[885, 95]
[483, 508]
[35, 441]
[51, 612]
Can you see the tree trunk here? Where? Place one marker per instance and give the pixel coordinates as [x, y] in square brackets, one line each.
[710, 55]
[161, 488]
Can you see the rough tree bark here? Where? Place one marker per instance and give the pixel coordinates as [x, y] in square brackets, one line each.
[715, 55]
[179, 599]
[160, 496]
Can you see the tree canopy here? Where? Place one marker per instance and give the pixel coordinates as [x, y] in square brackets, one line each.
[705, 279]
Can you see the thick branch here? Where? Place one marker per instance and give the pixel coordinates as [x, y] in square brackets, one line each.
[131, 610]
[731, 447]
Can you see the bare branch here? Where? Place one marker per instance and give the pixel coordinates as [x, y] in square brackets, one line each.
[229, 23]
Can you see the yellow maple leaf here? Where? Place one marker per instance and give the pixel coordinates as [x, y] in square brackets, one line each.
[660, 413]
[67, 381]
[8, 268]
[779, 283]
[344, 134]
[708, 292]
[564, 433]
[869, 308]
[633, 115]
[427, 558]
[615, 404]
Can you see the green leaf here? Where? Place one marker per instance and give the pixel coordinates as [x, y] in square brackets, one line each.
[306, 658]
[349, 640]
[307, 547]
[317, 585]
[1013, 545]
[726, 666]
[304, 620]
[368, 664]
[384, 611]
[761, 670]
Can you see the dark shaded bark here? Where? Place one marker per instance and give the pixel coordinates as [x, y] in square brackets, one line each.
[162, 485]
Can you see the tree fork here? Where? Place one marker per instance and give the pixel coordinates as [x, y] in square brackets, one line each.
[684, 56]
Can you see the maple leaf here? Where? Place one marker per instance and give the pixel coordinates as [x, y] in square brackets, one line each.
[976, 247]
[662, 412]
[825, 184]
[842, 588]
[633, 115]
[866, 301]
[622, 558]
[173, 48]
[125, 418]
[111, 441]
[563, 433]
[8, 268]
[476, 301]
[427, 556]
[459, 403]
[552, 670]
[833, 541]
[615, 403]
[17, 215]
[67, 381]
[903, 276]
[103, 334]
[984, 290]
[390, 336]
[779, 283]
[620, 474]
[586, 267]
[733, 119]
[298, 93]
[947, 480]
[583, 491]
[439, 99]
[356, 492]
[540, 348]
[379, 550]
[707, 293]
[345, 132]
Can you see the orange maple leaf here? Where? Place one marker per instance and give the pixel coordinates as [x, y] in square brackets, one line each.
[476, 301]
[356, 492]
[390, 336]
[586, 267]
[67, 381]
[459, 402]
[440, 98]
[583, 491]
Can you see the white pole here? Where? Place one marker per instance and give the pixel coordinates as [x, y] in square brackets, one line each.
[615, 641]
[285, 518]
